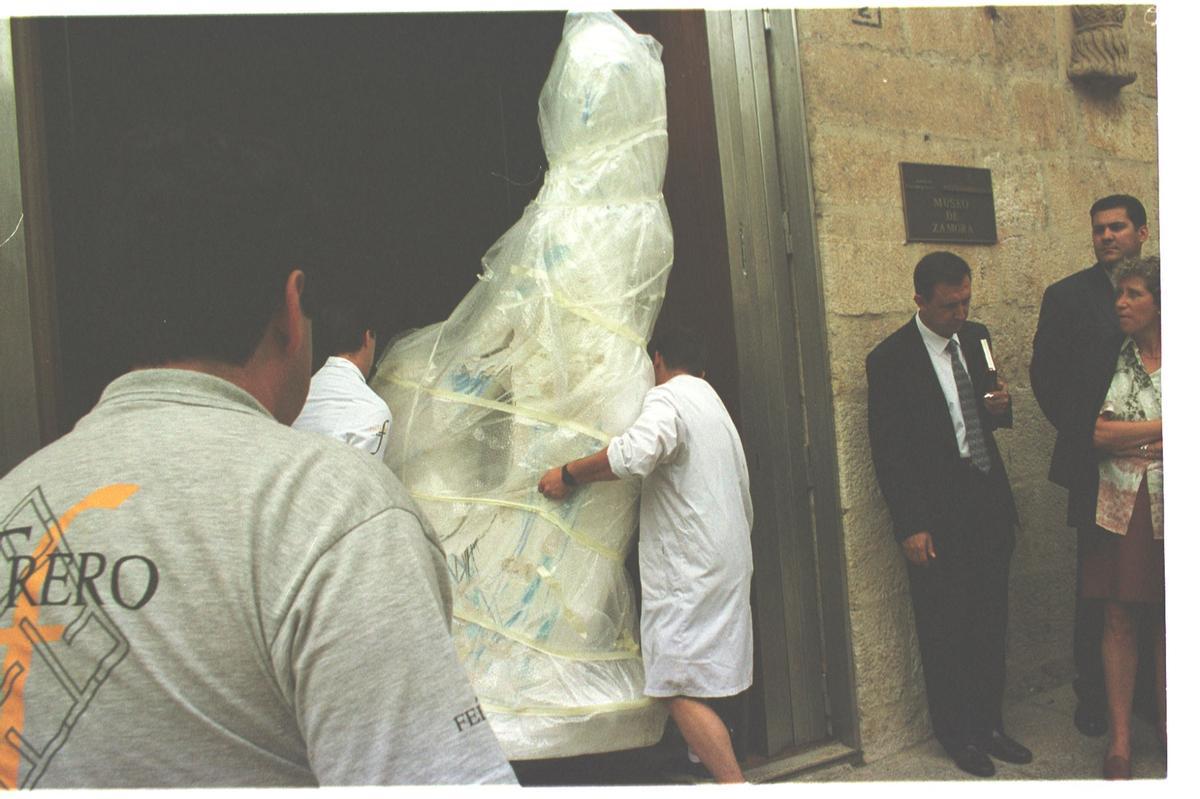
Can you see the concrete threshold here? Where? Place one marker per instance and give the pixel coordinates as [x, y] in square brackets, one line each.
[789, 766]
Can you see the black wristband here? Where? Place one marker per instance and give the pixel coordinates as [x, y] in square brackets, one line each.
[567, 478]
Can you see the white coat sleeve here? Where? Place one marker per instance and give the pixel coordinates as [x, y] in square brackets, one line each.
[372, 432]
[654, 438]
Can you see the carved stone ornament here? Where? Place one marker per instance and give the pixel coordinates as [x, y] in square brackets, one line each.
[1100, 48]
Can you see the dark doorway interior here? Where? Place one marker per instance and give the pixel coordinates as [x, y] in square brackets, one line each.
[419, 131]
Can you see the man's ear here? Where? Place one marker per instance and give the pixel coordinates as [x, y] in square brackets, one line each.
[367, 338]
[1143, 233]
[293, 318]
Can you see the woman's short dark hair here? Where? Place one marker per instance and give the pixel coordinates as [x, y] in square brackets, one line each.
[1146, 268]
[939, 267]
[681, 348]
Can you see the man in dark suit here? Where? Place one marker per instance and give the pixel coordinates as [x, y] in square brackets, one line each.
[932, 407]
[1074, 350]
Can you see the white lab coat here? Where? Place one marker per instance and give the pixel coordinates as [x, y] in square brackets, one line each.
[341, 404]
[694, 549]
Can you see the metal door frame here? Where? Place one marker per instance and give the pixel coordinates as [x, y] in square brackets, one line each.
[27, 358]
[785, 384]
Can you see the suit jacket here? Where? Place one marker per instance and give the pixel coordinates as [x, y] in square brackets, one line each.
[1075, 350]
[912, 434]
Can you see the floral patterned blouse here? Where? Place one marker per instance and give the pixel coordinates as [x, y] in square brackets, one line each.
[1133, 395]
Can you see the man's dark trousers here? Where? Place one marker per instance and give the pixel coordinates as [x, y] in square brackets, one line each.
[1086, 635]
[960, 603]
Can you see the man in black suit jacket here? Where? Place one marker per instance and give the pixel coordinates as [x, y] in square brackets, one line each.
[1074, 351]
[930, 423]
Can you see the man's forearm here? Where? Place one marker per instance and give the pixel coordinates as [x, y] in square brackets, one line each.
[1113, 435]
[1049, 362]
[1046, 380]
[559, 481]
[592, 469]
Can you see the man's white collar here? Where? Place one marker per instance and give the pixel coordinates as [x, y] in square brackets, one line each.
[339, 362]
[936, 343]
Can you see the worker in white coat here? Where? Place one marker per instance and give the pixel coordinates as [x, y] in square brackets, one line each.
[694, 546]
[340, 404]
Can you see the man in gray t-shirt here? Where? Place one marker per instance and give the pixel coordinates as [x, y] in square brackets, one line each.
[194, 593]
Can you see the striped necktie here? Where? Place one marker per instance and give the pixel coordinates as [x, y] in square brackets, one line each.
[970, 412]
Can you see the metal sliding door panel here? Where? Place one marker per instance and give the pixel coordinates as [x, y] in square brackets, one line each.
[775, 594]
[785, 576]
[770, 631]
[808, 292]
[31, 88]
[780, 358]
[19, 426]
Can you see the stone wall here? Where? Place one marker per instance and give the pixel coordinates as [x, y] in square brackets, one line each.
[982, 87]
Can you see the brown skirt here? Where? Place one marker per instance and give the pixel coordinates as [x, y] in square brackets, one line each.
[1127, 568]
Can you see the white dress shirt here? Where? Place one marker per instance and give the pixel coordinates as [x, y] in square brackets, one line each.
[341, 404]
[939, 355]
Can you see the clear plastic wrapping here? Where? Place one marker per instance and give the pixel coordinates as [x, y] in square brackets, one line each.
[542, 362]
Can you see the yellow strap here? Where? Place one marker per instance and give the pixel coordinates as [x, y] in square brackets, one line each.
[470, 618]
[582, 311]
[571, 532]
[591, 316]
[516, 410]
[565, 160]
[585, 710]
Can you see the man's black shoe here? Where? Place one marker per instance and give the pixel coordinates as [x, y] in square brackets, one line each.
[1001, 747]
[1090, 722]
[972, 760]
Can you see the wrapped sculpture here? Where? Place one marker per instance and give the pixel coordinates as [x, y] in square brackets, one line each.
[542, 362]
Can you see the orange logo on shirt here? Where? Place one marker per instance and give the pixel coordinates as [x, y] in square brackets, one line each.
[26, 634]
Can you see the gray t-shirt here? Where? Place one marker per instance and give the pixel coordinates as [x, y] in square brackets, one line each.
[220, 600]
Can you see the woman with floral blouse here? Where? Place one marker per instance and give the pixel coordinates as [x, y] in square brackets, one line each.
[1125, 566]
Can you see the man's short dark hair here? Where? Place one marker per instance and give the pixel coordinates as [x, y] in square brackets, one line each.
[939, 267]
[1148, 269]
[201, 233]
[338, 326]
[680, 348]
[1132, 205]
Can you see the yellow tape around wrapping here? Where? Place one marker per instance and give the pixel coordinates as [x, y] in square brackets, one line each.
[570, 532]
[591, 316]
[585, 710]
[585, 313]
[526, 641]
[503, 407]
[610, 148]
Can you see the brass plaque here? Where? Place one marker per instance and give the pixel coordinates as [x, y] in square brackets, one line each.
[948, 203]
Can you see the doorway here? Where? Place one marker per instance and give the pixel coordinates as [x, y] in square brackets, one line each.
[420, 131]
